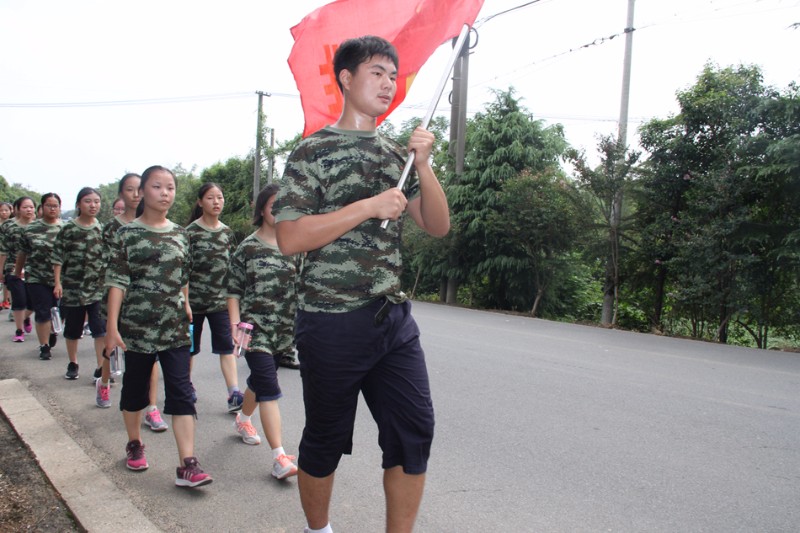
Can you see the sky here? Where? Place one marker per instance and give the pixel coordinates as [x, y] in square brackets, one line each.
[90, 90]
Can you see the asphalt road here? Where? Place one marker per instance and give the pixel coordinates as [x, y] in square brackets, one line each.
[541, 426]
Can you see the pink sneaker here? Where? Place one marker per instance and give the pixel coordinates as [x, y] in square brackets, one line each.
[19, 336]
[103, 398]
[136, 458]
[27, 325]
[191, 475]
[155, 422]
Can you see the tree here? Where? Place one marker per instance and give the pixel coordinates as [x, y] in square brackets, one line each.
[501, 143]
[720, 201]
[606, 184]
[539, 225]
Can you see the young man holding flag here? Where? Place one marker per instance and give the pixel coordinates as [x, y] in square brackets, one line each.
[354, 329]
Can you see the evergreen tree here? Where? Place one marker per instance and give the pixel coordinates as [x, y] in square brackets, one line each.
[501, 143]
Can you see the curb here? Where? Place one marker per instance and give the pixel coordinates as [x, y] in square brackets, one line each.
[95, 502]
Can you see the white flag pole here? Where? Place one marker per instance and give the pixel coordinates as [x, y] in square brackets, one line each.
[426, 120]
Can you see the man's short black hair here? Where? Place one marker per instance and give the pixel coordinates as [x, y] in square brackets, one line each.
[352, 52]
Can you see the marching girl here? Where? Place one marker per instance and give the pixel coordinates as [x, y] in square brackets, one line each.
[211, 243]
[78, 269]
[35, 256]
[118, 207]
[149, 317]
[128, 197]
[261, 292]
[6, 210]
[12, 230]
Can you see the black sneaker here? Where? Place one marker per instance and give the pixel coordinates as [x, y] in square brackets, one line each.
[44, 352]
[72, 371]
[288, 361]
[53, 339]
[98, 373]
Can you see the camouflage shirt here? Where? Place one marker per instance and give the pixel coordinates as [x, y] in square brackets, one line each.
[211, 253]
[79, 251]
[327, 171]
[10, 234]
[37, 243]
[151, 266]
[264, 281]
[109, 232]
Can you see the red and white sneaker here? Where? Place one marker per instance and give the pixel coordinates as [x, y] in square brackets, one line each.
[191, 475]
[136, 459]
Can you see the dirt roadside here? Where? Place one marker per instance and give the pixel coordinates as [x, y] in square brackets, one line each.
[28, 502]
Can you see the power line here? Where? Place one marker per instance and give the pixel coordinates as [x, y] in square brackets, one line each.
[715, 13]
[484, 20]
[144, 101]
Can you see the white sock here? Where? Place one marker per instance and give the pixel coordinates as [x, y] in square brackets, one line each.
[244, 418]
[151, 408]
[326, 529]
[277, 452]
[103, 384]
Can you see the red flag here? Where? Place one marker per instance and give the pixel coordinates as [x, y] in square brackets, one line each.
[415, 27]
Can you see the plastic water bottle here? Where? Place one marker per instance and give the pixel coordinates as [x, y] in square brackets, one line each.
[244, 332]
[55, 318]
[191, 337]
[117, 362]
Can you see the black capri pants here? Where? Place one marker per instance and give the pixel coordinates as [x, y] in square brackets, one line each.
[135, 394]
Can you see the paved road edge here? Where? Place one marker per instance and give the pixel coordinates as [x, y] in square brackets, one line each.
[96, 503]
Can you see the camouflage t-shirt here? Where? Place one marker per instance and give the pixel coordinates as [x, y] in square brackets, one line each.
[151, 266]
[109, 232]
[211, 253]
[37, 243]
[327, 171]
[265, 283]
[79, 251]
[10, 234]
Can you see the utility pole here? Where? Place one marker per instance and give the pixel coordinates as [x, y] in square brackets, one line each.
[611, 289]
[626, 76]
[271, 160]
[458, 129]
[257, 158]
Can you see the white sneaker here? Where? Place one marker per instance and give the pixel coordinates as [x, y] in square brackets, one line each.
[284, 466]
[247, 431]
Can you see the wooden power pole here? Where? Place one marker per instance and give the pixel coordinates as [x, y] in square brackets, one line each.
[259, 136]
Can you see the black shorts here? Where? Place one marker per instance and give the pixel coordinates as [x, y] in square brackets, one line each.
[220, 324]
[135, 394]
[263, 379]
[344, 354]
[19, 293]
[42, 300]
[73, 316]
